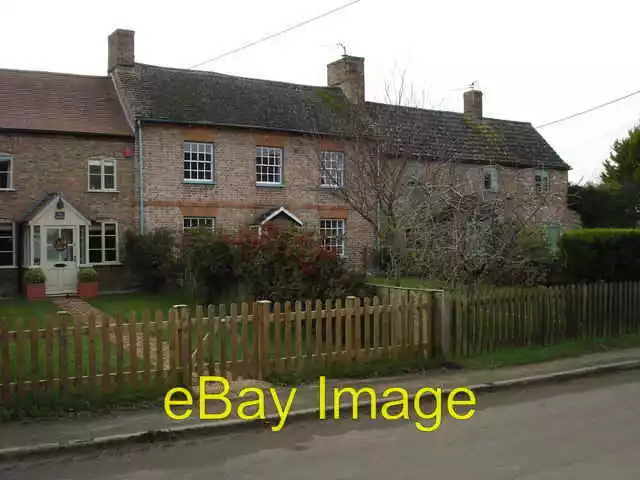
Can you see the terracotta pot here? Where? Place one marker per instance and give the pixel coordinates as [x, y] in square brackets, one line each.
[88, 289]
[35, 291]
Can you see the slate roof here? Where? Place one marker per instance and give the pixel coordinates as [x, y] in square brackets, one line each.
[190, 96]
[58, 102]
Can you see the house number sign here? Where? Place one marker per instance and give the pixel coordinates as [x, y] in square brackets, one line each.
[59, 215]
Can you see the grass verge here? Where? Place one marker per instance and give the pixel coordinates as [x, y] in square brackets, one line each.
[507, 357]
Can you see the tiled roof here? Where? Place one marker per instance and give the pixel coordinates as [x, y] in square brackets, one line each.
[451, 136]
[57, 102]
[189, 96]
[204, 97]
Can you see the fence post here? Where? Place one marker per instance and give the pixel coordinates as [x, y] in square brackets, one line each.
[442, 341]
[182, 317]
[260, 336]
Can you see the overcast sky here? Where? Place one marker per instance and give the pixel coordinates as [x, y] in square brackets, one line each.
[535, 61]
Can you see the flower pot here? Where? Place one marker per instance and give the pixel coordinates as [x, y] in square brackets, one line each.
[35, 291]
[88, 289]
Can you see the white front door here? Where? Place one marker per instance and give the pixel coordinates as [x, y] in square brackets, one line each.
[60, 265]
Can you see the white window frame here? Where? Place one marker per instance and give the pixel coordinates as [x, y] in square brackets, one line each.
[332, 169]
[200, 222]
[263, 156]
[333, 234]
[13, 245]
[207, 149]
[9, 159]
[103, 244]
[545, 181]
[492, 173]
[111, 162]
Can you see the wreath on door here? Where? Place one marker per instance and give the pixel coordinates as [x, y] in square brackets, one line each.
[61, 244]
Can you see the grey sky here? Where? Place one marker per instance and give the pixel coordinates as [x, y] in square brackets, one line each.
[534, 60]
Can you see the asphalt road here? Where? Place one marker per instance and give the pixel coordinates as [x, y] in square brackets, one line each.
[585, 429]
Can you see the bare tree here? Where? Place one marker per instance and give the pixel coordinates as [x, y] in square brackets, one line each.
[433, 213]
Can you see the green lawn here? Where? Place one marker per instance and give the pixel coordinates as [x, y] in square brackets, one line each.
[139, 302]
[26, 310]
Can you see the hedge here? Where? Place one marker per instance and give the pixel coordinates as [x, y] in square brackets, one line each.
[601, 254]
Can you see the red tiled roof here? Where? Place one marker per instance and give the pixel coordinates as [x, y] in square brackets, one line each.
[60, 102]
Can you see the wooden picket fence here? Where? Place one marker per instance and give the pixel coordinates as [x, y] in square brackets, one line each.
[153, 351]
[483, 321]
[67, 354]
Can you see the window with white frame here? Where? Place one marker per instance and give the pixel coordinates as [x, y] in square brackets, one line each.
[103, 242]
[102, 174]
[542, 182]
[7, 245]
[268, 166]
[198, 162]
[5, 171]
[332, 166]
[332, 234]
[190, 223]
[490, 179]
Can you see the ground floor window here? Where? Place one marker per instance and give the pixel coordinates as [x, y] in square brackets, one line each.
[554, 235]
[190, 223]
[103, 242]
[332, 234]
[7, 245]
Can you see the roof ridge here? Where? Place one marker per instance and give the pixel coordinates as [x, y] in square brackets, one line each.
[451, 112]
[60, 74]
[239, 77]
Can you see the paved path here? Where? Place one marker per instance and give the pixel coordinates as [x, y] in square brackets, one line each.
[587, 429]
[80, 308]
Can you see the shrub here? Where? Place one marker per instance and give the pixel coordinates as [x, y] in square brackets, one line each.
[151, 257]
[601, 254]
[208, 261]
[87, 275]
[280, 264]
[34, 276]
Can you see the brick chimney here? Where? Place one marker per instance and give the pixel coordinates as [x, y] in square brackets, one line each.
[473, 103]
[121, 49]
[348, 74]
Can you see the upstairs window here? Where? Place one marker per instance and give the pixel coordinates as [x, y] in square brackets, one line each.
[268, 166]
[198, 162]
[490, 179]
[102, 175]
[5, 172]
[332, 166]
[192, 223]
[542, 182]
[332, 234]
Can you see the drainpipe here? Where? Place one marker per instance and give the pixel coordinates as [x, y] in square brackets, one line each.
[140, 173]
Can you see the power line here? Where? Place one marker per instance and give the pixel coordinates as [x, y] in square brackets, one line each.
[273, 35]
[619, 99]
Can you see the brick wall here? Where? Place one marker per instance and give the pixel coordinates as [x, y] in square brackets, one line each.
[44, 163]
[234, 199]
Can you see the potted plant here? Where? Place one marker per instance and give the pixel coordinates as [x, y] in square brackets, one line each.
[87, 282]
[34, 278]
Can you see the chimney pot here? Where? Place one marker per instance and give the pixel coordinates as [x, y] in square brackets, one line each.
[473, 103]
[121, 49]
[348, 74]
